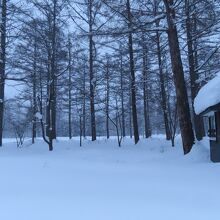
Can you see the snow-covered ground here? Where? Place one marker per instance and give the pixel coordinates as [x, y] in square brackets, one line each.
[103, 182]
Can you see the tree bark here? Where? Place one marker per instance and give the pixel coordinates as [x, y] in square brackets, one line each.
[2, 64]
[70, 92]
[122, 95]
[107, 99]
[130, 113]
[34, 108]
[51, 87]
[194, 86]
[132, 71]
[92, 82]
[162, 88]
[179, 81]
[147, 128]
[84, 105]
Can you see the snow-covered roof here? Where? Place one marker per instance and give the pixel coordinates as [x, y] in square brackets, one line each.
[209, 95]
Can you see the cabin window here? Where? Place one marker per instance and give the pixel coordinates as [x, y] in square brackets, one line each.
[212, 128]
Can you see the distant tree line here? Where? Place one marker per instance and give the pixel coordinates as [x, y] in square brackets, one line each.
[106, 67]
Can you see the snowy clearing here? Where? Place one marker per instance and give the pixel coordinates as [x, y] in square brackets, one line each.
[103, 182]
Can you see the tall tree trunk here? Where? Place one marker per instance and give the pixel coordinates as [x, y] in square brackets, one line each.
[107, 99]
[198, 120]
[130, 113]
[2, 64]
[147, 128]
[164, 99]
[54, 71]
[162, 88]
[70, 91]
[84, 105]
[122, 95]
[80, 130]
[132, 70]
[51, 104]
[179, 81]
[34, 108]
[92, 82]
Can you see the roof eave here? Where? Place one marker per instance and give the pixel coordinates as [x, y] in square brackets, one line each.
[213, 108]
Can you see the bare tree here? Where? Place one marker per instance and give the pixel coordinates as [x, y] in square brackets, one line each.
[132, 71]
[3, 6]
[181, 93]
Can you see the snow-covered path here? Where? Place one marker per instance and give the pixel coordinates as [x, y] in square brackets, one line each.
[103, 182]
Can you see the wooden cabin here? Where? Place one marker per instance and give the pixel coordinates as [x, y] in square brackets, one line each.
[207, 104]
[213, 114]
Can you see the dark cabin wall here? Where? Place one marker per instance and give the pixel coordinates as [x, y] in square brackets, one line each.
[217, 122]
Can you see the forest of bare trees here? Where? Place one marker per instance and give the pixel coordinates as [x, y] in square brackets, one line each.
[93, 68]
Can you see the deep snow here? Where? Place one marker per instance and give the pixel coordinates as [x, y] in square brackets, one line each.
[103, 182]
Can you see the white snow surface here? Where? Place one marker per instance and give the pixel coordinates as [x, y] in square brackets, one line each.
[208, 95]
[100, 181]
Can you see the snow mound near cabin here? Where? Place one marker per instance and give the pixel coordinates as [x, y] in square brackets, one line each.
[208, 95]
[200, 152]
